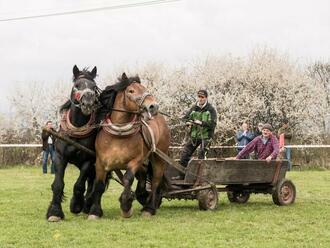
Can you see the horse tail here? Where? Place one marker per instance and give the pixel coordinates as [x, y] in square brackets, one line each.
[165, 183]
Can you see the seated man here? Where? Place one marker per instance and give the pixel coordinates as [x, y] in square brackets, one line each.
[265, 146]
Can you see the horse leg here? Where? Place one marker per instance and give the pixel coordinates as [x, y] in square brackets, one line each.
[88, 196]
[141, 192]
[158, 168]
[98, 189]
[55, 212]
[77, 200]
[127, 197]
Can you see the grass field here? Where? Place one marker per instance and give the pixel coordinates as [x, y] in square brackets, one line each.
[25, 194]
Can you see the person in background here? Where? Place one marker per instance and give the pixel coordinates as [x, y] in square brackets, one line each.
[265, 146]
[202, 119]
[244, 136]
[259, 129]
[48, 148]
[285, 135]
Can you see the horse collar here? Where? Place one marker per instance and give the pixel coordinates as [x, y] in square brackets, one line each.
[121, 130]
[73, 131]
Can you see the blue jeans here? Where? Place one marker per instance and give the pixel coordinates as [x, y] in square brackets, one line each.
[288, 156]
[49, 151]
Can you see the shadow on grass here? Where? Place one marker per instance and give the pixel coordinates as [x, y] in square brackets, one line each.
[258, 205]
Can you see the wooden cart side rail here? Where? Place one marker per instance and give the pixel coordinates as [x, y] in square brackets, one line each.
[278, 167]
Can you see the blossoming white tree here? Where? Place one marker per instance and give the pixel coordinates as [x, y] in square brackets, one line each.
[263, 87]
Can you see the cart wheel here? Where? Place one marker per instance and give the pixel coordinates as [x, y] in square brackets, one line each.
[208, 199]
[238, 197]
[285, 193]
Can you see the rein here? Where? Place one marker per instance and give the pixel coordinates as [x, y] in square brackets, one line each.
[140, 99]
[126, 111]
[132, 127]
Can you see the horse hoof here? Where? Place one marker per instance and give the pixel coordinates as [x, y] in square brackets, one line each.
[93, 217]
[146, 214]
[54, 219]
[127, 214]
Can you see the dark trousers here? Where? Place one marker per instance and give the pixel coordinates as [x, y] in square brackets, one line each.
[190, 148]
[288, 156]
[49, 151]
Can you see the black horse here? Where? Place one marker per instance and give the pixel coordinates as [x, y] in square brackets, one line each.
[77, 123]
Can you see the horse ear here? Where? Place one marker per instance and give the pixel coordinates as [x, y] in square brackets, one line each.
[138, 80]
[94, 71]
[75, 71]
[124, 77]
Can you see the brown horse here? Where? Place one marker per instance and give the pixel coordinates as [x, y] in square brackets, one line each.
[120, 146]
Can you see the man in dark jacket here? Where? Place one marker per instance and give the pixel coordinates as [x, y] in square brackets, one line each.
[202, 119]
[48, 148]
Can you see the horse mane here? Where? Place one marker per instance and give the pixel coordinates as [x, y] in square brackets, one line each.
[108, 95]
[86, 74]
[65, 106]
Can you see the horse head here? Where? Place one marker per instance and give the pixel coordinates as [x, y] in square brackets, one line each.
[136, 97]
[84, 93]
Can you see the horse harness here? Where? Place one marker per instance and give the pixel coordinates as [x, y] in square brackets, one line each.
[140, 99]
[78, 94]
[136, 125]
[73, 131]
[131, 128]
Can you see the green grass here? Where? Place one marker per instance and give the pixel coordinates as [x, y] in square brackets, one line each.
[25, 194]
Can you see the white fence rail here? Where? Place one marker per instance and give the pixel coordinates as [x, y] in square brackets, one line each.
[180, 147]
[20, 145]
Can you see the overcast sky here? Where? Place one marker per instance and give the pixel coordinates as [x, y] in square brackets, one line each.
[45, 49]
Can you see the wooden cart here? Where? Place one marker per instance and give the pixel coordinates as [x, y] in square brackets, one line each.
[203, 180]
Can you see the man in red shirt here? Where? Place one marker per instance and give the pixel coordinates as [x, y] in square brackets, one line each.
[265, 146]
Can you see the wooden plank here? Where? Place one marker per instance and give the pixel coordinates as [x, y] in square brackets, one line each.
[235, 171]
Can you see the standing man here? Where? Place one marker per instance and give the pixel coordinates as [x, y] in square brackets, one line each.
[286, 131]
[265, 146]
[48, 148]
[202, 119]
[244, 136]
